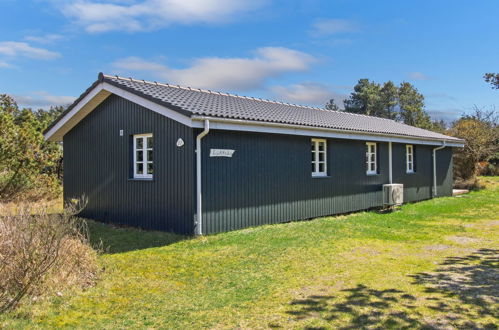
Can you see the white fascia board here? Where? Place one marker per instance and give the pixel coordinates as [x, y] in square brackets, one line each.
[80, 110]
[162, 110]
[95, 97]
[276, 128]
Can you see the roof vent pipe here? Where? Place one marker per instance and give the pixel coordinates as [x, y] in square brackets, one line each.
[435, 168]
[199, 209]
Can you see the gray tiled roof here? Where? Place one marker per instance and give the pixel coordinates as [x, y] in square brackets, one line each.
[196, 102]
[192, 101]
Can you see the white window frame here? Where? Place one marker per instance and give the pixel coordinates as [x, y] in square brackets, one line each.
[372, 148]
[409, 158]
[145, 159]
[315, 160]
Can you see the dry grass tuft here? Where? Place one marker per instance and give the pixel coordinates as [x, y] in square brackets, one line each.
[43, 254]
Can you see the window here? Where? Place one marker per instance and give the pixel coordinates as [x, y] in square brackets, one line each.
[409, 158]
[371, 165]
[319, 163]
[142, 156]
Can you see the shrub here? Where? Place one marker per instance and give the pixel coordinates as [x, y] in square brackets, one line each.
[30, 167]
[470, 184]
[481, 132]
[42, 253]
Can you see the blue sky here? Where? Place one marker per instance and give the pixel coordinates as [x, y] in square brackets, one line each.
[295, 51]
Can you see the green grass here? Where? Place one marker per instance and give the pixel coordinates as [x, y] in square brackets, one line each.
[430, 264]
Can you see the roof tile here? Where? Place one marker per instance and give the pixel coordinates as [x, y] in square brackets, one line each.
[223, 105]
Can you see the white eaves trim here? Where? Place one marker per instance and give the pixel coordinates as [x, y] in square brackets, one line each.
[79, 111]
[277, 128]
[100, 92]
[95, 97]
[162, 110]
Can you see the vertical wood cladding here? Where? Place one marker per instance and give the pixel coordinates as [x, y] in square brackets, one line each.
[268, 179]
[97, 163]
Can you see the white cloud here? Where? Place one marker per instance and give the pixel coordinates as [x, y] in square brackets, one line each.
[45, 39]
[101, 16]
[4, 64]
[307, 93]
[43, 99]
[418, 76]
[448, 115]
[225, 73]
[327, 27]
[17, 49]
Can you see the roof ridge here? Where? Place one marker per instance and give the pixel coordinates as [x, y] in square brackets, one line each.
[102, 75]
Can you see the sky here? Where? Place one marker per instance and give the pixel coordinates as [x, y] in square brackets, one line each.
[303, 52]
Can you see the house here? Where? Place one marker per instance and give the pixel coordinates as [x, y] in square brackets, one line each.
[187, 160]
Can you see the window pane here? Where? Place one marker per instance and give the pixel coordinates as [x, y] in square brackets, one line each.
[321, 146]
[149, 168]
[140, 168]
[372, 167]
[139, 156]
[139, 143]
[321, 157]
[372, 158]
[149, 155]
[149, 142]
[322, 167]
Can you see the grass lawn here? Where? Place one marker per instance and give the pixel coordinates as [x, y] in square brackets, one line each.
[431, 264]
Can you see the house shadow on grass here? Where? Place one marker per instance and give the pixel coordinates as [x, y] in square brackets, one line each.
[462, 292]
[110, 239]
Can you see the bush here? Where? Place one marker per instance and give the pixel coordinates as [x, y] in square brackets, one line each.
[42, 254]
[470, 184]
[480, 130]
[487, 169]
[30, 167]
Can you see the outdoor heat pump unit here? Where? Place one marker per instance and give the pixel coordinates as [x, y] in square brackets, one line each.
[393, 194]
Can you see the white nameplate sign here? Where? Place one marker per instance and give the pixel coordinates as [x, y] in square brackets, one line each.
[221, 152]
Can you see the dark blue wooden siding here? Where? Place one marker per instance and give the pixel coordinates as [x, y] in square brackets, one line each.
[268, 179]
[418, 185]
[97, 165]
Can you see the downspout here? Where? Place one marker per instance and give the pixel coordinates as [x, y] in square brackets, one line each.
[435, 168]
[390, 169]
[199, 208]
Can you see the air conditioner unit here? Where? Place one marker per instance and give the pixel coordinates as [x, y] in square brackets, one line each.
[393, 194]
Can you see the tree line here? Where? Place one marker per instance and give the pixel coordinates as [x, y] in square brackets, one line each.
[30, 167]
[404, 103]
